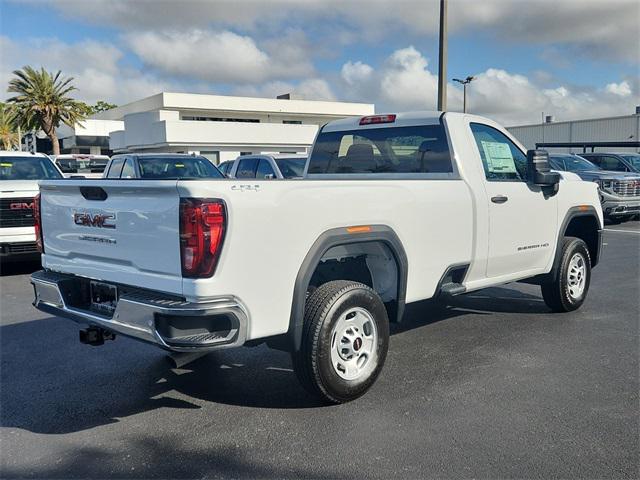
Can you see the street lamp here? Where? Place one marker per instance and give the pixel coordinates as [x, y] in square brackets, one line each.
[464, 83]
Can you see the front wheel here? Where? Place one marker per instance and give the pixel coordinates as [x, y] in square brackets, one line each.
[568, 289]
[344, 341]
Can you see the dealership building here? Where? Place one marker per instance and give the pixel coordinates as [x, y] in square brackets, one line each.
[622, 129]
[216, 126]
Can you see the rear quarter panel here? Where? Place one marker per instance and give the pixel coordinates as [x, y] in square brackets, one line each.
[273, 224]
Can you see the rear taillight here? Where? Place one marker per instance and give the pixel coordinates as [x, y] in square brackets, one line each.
[38, 223]
[202, 226]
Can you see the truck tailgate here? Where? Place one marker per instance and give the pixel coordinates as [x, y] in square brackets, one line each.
[123, 231]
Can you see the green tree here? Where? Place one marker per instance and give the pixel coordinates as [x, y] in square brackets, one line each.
[103, 106]
[8, 131]
[42, 101]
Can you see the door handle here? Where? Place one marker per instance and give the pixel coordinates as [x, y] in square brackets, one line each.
[499, 199]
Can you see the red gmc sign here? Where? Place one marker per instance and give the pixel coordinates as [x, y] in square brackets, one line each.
[21, 206]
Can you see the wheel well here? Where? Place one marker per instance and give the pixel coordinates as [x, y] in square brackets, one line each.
[371, 263]
[586, 228]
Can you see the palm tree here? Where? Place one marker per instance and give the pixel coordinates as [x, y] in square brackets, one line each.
[43, 102]
[8, 135]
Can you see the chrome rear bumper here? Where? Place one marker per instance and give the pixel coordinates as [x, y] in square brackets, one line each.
[168, 322]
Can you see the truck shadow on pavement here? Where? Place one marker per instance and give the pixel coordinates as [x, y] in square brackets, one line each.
[52, 384]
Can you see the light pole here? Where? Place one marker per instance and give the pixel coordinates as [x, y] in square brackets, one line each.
[464, 83]
[442, 59]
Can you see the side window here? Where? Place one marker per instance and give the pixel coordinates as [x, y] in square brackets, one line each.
[557, 163]
[596, 159]
[501, 159]
[224, 167]
[116, 168]
[264, 169]
[128, 170]
[247, 168]
[612, 163]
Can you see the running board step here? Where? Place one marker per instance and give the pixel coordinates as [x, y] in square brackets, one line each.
[452, 289]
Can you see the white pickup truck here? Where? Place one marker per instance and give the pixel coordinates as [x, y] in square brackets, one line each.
[393, 209]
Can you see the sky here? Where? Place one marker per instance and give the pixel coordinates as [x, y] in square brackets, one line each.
[571, 59]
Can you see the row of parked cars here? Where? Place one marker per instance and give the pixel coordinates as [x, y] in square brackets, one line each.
[617, 176]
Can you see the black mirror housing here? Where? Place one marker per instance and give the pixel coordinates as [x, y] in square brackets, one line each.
[538, 169]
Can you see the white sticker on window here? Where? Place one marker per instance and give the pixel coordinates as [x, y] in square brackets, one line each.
[498, 156]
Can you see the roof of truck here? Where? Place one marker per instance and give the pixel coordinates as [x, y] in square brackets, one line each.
[401, 120]
[11, 153]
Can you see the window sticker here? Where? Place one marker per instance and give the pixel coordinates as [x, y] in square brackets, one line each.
[498, 156]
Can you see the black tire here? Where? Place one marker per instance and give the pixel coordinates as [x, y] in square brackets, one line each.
[313, 362]
[557, 292]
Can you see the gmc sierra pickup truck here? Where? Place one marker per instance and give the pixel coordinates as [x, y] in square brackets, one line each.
[19, 175]
[392, 209]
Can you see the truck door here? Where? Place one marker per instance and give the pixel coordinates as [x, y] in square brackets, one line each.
[522, 219]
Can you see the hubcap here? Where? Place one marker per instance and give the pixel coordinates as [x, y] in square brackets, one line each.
[576, 276]
[354, 343]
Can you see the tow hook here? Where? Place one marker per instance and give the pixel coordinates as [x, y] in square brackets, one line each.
[95, 336]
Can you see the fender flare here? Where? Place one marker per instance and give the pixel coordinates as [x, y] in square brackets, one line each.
[575, 212]
[332, 238]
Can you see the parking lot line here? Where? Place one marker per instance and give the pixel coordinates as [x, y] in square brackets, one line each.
[621, 231]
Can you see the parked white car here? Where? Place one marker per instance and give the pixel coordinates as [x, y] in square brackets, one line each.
[19, 176]
[393, 209]
[268, 167]
[88, 166]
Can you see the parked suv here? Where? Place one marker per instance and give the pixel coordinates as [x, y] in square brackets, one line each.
[618, 162]
[619, 191]
[279, 165]
[19, 175]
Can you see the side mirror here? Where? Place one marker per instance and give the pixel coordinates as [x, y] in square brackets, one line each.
[269, 176]
[538, 170]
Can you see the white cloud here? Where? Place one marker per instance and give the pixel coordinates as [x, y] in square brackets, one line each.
[404, 82]
[95, 66]
[592, 28]
[309, 89]
[356, 73]
[218, 56]
[622, 89]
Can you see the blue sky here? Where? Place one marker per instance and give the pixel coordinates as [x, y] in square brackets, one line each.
[569, 58]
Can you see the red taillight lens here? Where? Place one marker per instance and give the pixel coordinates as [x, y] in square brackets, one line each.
[377, 119]
[38, 223]
[202, 226]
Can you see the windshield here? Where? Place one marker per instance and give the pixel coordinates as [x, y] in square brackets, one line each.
[27, 168]
[82, 164]
[173, 168]
[574, 163]
[632, 158]
[291, 167]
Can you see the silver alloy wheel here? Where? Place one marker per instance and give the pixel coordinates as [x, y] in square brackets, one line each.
[576, 276]
[354, 344]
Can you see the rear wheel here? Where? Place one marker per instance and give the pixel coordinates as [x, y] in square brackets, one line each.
[344, 341]
[568, 289]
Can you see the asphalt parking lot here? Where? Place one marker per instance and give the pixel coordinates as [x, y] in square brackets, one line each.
[492, 386]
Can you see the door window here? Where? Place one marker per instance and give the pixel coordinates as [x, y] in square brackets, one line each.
[264, 169]
[247, 168]
[612, 163]
[115, 168]
[128, 170]
[501, 159]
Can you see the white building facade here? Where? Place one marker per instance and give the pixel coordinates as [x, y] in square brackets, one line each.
[611, 129]
[218, 127]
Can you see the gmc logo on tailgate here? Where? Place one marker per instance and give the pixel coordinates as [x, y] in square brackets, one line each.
[98, 220]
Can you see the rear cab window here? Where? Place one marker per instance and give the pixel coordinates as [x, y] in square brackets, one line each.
[397, 151]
